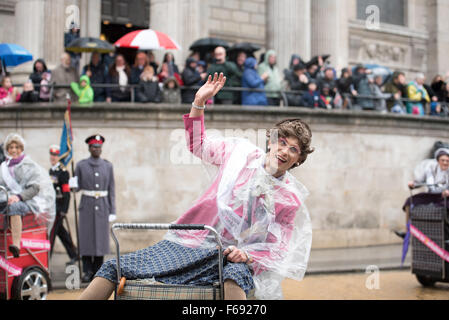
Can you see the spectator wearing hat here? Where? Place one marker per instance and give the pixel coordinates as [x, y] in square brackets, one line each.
[94, 178]
[60, 178]
[297, 81]
[191, 77]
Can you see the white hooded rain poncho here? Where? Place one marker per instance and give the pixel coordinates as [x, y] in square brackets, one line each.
[26, 173]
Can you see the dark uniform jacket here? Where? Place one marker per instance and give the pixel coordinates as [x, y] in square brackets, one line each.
[60, 179]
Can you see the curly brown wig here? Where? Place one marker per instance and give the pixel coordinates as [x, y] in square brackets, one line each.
[298, 129]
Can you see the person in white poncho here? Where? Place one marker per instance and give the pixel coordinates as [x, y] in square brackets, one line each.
[29, 189]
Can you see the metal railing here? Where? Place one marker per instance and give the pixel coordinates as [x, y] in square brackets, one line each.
[353, 101]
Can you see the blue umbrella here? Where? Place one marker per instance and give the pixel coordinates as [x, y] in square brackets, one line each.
[377, 70]
[12, 54]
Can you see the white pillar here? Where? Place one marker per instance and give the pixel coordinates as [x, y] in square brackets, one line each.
[330, 33]
[29, 32]
[90, 24]
[439, 33]
[55, 26]
[289, 29]
[183, 20]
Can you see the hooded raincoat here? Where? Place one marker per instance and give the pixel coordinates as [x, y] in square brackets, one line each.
[274, 77]
[85, 94]
[251, 79]
[25, 174]
[251, 209]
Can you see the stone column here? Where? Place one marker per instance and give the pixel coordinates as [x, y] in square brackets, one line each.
[55, 26]
[29, 32]
[289, 29]
[183, 20]
[438, 45]
[90, 23]
[330, 33]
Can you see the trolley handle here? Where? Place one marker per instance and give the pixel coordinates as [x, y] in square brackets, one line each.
[168, 226]
[3, 189]
[158, 226]
[419, 185]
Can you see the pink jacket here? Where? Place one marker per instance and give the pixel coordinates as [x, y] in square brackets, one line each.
[205, 209]
[5, 96]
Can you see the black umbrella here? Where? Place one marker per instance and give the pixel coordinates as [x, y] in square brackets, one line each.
[88, 44]
[208, 44]
[247, 47]
[314, 60]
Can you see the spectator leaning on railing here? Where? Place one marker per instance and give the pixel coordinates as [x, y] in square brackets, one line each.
[96, 71]
[251, 79]
[119, 74]
[171, 92]
[39, 67]
[28, 94]
[230, 71]
[8, 93]
[274, 81]
[296, 81]
[64, 74]
[418, 94]
[148, 90]
[83, 90]
[191, 77]
[312, 98]
[397, 88]
[345, 85]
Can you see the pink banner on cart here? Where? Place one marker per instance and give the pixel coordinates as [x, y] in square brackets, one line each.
[429, 243]
[35, 244]
[9, 267]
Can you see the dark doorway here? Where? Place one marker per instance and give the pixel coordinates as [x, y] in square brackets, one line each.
[120, 17]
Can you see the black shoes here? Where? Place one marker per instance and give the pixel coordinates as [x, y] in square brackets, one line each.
[87, 277]
[400, 234]
[71, 262]
[14, 250]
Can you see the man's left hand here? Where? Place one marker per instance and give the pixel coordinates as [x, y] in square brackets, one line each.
[112, 217]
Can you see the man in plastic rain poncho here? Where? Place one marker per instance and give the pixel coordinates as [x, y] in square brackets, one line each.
[254, 203]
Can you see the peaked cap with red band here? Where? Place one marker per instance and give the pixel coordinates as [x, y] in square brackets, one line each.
[95, 139]
[54, 150]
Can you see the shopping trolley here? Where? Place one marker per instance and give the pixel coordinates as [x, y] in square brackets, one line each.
[149, 289]
[432, 224]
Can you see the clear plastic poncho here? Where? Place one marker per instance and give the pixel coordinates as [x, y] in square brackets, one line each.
[251, 209]
[27, 172]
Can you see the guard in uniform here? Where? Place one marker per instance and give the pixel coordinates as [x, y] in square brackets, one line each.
[94, 178]
[60, 178]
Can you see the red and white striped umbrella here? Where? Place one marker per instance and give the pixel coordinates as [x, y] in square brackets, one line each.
[147, 39]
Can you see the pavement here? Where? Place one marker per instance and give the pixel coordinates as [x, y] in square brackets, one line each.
[322, 261]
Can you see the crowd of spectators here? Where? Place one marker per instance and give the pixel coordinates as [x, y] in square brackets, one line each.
[313, 84]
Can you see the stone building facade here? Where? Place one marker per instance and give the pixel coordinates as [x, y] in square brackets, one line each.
[412, 35]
